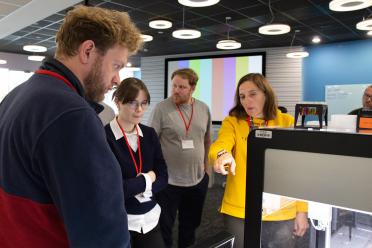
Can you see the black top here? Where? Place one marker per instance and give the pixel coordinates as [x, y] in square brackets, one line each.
[355, 111]
[152, 159]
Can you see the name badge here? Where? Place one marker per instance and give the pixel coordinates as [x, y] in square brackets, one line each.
[187, 144]
[141, 198]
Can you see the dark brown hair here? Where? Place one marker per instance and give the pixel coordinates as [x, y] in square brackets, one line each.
[270, 106]
[188, 74]
[106, 28]
[129, 89]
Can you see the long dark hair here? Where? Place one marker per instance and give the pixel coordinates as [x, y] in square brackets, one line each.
[270, 106]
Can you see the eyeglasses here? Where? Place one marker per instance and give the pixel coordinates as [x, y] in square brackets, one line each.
[135, 104]
[367, 97]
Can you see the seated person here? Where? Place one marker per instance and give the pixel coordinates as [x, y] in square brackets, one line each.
[366, 100]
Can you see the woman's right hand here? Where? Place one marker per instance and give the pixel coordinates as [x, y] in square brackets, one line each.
[225, 160]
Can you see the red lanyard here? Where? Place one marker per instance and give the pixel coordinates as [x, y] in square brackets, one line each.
[187, 126]
[251, 124]
[56, 75]
[130, 149]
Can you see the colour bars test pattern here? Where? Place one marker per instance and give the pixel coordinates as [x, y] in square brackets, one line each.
[218, 78]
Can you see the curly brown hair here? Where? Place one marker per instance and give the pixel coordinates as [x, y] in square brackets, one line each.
[106, 28]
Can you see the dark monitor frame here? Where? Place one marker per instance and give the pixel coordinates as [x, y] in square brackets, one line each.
[347, 144]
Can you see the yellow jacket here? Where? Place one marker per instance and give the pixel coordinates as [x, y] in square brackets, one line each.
[232, 137]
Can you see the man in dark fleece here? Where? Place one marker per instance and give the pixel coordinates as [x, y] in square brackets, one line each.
[60, 184]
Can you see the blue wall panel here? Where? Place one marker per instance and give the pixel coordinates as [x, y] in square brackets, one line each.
[339, 63]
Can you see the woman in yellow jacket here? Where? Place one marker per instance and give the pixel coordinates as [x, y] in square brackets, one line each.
[255, 106]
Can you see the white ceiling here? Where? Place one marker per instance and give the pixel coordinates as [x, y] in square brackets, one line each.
[15, 14]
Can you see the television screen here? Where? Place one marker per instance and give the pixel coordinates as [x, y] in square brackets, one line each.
[218, 77]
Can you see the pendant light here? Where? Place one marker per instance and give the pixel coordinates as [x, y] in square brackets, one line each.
[185, 33]
[365, 24]
[274, 28]
[160, 24]
[146, 37]
[349, 5]
[299, 54]
[36, 58]
[34, 48]
[198, 3]
[228, 44]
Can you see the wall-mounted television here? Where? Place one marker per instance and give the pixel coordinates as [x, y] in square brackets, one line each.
[218, 77]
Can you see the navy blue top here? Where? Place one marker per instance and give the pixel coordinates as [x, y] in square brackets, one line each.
[60, 184]
[152, 159]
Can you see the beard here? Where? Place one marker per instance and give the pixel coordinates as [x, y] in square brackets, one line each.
[94, 85]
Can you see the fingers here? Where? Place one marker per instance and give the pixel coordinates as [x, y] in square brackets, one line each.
[152, 175]
[224, 164]
[299, 232]
[301, 224]
[232, 167]
[219, 167]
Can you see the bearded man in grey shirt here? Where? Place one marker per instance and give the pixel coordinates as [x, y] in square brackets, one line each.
[183, 125]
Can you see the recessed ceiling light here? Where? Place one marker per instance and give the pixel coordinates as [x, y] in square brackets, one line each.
[3, 61]
[146, 37]
[274, 29]
[228, 44]
[296, 55]
[198, 3]
[369, 33]
[316, 39]
[186, 34]
[160, 24]
[35, 48]
[36, 58]
[365, 25]
[349, 5]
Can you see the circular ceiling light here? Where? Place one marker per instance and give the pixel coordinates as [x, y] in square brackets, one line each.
[297, 55]
[274, 29]
[36, 58]
[228, 44]
[349, 5]
[186, 34]
[160, 24]
[365, 25]
[198, 3]
[3, 61]
[146, 37]
[316, 39]
[34, 48]
[369, 33]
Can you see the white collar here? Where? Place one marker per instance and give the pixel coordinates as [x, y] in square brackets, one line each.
[117, 131]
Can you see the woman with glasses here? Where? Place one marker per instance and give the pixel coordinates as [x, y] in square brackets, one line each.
[255, 106]
[143, 168]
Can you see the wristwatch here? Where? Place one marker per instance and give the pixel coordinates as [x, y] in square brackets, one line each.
[220, 153]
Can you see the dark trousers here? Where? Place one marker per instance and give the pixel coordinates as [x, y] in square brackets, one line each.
[150, 239]
[188, 201]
